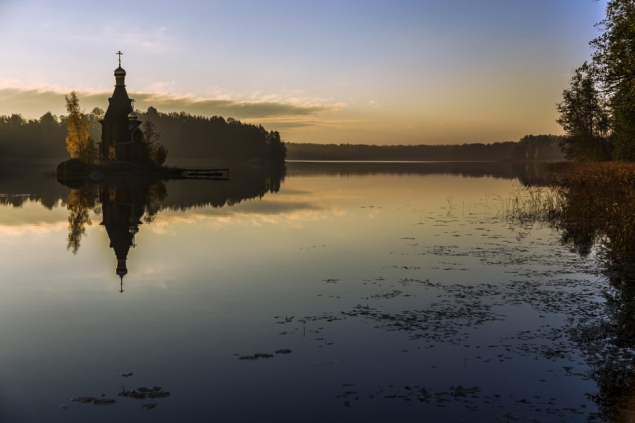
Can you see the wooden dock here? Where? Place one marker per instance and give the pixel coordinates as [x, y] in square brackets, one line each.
[217, 174]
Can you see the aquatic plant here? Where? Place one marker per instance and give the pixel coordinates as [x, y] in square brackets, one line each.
[590, 204]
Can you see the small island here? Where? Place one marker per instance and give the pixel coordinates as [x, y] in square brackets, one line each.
[124, 147]
[131, 148]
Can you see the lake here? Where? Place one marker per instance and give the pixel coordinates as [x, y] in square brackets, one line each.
[323, 292]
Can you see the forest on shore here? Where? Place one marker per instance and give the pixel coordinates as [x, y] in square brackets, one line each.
[183, 135]
[597, 111]
[187, 136]
[530, 147]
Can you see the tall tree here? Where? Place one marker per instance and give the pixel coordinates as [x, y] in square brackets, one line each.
[614, 62]
[158, 153]
[94, 127]
[584, 116]
[79, 143]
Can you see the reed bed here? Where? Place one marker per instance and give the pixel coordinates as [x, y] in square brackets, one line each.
[591, 204]
[531, 204]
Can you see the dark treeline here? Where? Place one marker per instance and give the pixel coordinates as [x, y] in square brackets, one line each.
[42, 138]
[188, 136]
[468, 152]
[539, 147]
[184, 136]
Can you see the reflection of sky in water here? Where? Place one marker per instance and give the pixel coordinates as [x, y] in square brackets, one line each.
[204, 286]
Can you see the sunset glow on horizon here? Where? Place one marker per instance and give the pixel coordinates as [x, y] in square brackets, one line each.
[373, 72]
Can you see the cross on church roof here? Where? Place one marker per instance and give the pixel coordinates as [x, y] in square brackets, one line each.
[119, 53]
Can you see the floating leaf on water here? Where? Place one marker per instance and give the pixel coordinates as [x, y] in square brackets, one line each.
[144, 393]
[149, 406]
[461, 391]
[105, 401]
[161, 394]
[92, 400]
[84, 400]
[283, 351]
[248, 357]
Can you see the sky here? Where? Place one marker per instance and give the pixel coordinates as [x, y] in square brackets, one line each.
[320, 71]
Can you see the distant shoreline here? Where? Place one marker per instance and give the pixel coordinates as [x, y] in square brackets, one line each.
[423, 161]
[22, 163]
[531, 148]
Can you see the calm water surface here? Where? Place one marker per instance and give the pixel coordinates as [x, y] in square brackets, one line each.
[357, 292]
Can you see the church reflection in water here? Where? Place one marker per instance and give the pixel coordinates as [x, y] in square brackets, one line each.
[125, 205]
[122, 210]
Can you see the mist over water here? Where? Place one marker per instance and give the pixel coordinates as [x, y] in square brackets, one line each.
[320, 292]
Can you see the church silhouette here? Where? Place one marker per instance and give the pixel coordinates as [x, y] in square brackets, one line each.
[121, 136]
[122, 210]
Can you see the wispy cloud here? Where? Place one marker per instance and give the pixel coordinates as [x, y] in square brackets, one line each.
[35, 98]
[227, 107]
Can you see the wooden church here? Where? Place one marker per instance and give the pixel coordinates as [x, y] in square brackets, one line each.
[121, 136]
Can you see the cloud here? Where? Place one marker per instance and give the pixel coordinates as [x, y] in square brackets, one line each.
[226, 107]
[35, 99]
[292, 124]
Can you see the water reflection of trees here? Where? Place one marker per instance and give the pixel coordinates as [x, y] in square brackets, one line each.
[242, 185]
[18, 188]
[126, 203]
[80, 203]
[495, 169]
[591, 213]
[21, 186]
[593, 216]
[608, 343]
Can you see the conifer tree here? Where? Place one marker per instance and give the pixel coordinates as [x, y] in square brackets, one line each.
[585, 118]
[614, 62]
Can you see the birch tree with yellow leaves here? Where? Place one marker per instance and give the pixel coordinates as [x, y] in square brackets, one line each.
[79, 143]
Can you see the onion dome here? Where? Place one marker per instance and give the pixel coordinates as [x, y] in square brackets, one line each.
[120, 76]
[132, 116]
[121, 270]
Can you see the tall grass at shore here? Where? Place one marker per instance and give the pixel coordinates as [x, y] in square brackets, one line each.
[591, 204]
[600, 196]
[528, 205]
